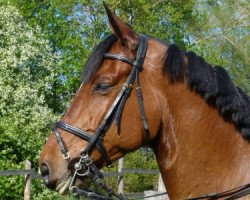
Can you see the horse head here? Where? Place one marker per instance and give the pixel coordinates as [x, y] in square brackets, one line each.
[105, 81]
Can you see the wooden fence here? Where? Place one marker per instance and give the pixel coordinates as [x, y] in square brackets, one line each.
[30, 175]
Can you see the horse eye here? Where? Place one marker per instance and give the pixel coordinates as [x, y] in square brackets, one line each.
[102, 87]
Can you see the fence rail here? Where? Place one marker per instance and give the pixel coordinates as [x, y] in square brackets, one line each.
[30, 174]
[107, 174]
[17, 172]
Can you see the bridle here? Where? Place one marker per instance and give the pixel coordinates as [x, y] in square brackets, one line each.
[85, 166]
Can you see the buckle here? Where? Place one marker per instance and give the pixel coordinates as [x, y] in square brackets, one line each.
[66, 156]
[127, 85]
[87, 160]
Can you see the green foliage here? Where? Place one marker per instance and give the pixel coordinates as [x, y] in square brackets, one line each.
[217, 30]
[11, 188]
[32, 83]
[165, 20]
[26, 73]
[221, 35]
[74, 27]
[141, 159]
[40, 192]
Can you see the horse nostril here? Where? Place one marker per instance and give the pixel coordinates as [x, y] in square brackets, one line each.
[44, 170]
[45, 174]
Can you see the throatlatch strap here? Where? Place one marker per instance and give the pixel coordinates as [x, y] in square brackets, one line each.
[141, 108]
[120, 108]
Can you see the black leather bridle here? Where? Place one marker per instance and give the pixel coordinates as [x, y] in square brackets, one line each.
[85, 167]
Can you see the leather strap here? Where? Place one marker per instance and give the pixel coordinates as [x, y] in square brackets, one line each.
[142, 111]
[63, 149]
[74, 130]
[83, 135]
[138, 66]
[141, 52]
[108, 119]
[227, 195]
[120, 108]
[118, 57]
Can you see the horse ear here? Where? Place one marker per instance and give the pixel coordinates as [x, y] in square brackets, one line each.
[127, 37]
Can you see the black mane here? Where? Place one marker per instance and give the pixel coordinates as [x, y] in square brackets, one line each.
[95, 59]
[213, 84]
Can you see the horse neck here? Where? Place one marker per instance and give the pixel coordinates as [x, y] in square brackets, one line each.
[198, 152]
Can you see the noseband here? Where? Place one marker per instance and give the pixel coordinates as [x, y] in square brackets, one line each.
[85, 167]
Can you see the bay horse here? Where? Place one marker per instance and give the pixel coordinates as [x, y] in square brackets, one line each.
[137, 91]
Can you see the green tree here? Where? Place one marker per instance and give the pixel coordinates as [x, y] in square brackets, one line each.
[133, 183]
[75, 27]
[221, 35]
[215, 29]
[140, 159]
[27, 69]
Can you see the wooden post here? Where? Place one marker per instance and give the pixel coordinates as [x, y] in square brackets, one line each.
[27, 181]
[161, 186]
[120, 178]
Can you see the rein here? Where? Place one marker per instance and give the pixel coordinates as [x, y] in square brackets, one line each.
[85, 167]
[227, 195]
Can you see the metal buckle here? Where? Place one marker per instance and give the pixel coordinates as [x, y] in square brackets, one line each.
[87, 160]
[66, 156]
[127, 85]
